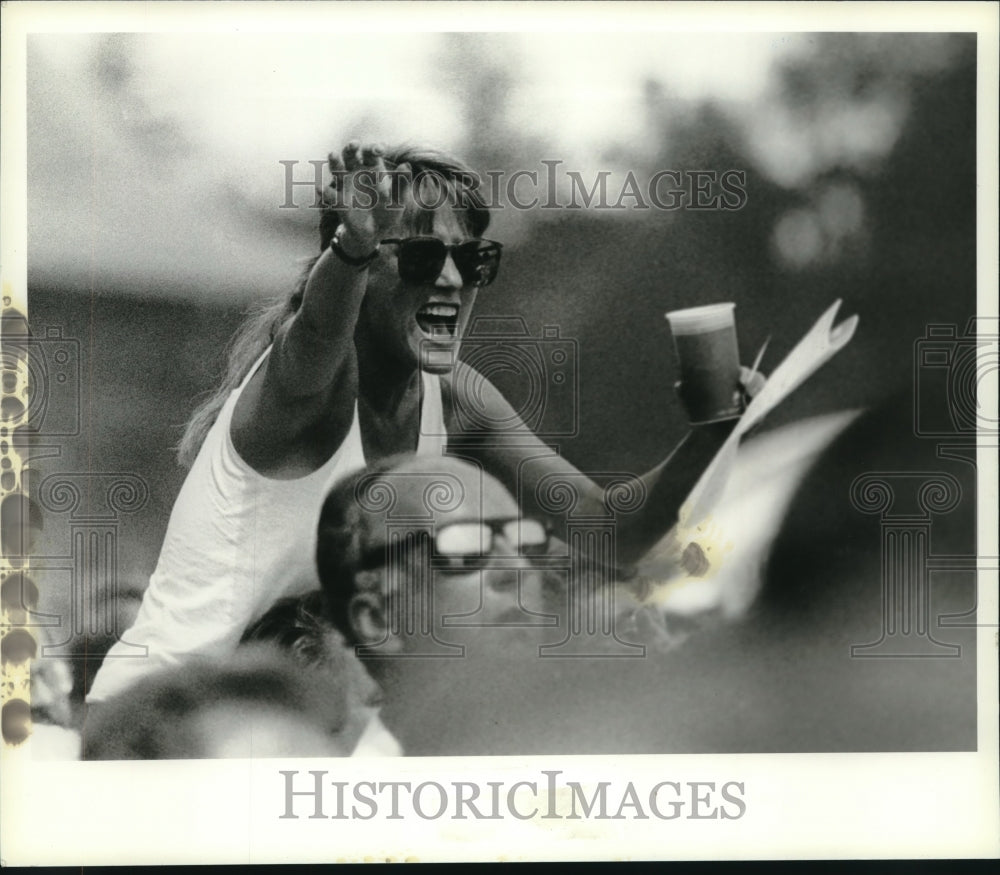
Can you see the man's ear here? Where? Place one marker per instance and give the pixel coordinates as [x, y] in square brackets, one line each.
[369, 615]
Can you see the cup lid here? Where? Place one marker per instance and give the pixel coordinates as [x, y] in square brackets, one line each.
[698, 320]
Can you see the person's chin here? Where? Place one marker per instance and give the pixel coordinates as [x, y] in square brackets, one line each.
[438, 355]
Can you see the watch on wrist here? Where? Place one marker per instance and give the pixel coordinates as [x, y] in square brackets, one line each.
[338, 250]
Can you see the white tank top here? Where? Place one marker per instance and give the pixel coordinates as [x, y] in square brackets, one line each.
[236, 543]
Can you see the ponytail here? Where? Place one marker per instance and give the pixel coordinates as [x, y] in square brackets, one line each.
[255, 335]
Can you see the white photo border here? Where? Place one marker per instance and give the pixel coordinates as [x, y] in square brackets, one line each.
[926, 805]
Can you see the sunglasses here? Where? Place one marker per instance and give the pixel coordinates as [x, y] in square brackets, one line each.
[459, 547]
[421, 259]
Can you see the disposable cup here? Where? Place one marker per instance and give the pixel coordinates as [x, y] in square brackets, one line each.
[709, 361]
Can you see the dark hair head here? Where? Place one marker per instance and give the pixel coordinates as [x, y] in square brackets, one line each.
[158, 718]
[344, 533]
[295, 625]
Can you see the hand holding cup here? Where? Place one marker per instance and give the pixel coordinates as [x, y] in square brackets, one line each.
[713, 385]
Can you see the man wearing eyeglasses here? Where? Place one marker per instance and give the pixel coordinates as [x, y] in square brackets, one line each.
[415, 547]
[427, 569]
[359, 363]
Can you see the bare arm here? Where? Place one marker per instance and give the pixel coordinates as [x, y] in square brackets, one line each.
[533, 472]
[309, 379]
[312, 349]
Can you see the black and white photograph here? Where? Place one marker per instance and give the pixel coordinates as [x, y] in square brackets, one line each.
[449, 431]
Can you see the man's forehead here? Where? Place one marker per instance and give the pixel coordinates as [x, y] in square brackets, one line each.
[435, 490]
[429, 493]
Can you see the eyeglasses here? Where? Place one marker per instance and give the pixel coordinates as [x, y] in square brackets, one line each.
[464, 546]
[421, 259]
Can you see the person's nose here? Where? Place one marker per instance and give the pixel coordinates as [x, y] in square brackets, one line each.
[503, 574]
[449, 279]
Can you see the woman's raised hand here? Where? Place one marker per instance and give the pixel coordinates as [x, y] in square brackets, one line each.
[368, 195]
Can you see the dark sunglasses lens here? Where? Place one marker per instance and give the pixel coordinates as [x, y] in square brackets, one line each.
[477, 262]
[421, 260]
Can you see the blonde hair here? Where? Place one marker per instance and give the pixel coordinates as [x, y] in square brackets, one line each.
[428, 166]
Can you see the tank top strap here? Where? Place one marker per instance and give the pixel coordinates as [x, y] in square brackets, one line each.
[256, 365]
[431, 441]
[433, 437]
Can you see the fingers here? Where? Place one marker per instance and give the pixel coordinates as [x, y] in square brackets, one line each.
[351, 155]
[370, 157]
[372, 163]
[402, 179]
[752, 381]
[338, 170]
[356, 156]
[372, 154]
[370, 194]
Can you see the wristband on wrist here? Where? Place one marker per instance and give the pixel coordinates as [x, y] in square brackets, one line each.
[338, 250]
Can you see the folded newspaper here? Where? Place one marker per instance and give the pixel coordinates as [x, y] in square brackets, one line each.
[817, 347]
[687, 551]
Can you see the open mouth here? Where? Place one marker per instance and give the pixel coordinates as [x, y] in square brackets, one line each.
[438, 320]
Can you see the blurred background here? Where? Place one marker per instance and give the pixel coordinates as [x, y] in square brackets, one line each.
[156, 219]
